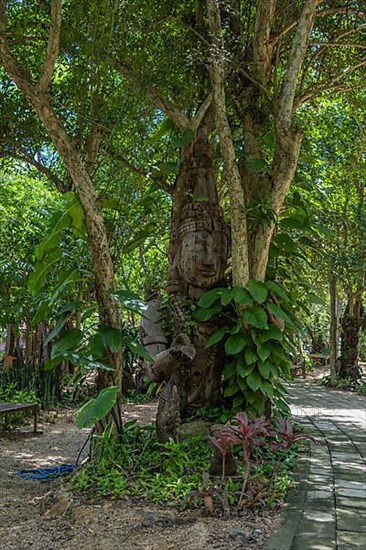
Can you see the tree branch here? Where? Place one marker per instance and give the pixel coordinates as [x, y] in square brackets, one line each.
[172, 112]
[338, 45]
[331, 84]
[52, 46]
[61, 186]
[347, 11]
[15, 71]
[284, 31]
[240, 260]
[262, 46]
[197, 121]
[142, 172]
[295, 62]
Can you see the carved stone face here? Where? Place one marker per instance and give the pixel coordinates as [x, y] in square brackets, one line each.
[202, 256]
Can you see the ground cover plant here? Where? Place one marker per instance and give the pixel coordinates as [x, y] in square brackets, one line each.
[178, 473]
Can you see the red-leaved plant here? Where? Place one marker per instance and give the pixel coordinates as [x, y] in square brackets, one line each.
[251, 435]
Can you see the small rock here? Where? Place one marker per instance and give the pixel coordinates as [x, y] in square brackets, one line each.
[257, 533]
[199, 535]
[58, 509]
[239, 534]
[195, 428]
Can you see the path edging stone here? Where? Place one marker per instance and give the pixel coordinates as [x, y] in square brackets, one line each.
[294, 507]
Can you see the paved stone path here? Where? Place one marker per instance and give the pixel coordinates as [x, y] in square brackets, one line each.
[328, 509]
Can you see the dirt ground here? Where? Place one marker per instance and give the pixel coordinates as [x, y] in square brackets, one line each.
[45, 515]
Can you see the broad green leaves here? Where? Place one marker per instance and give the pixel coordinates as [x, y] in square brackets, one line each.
[258, 290]
[97, 408]
[235, 344]
[256, 317]
[255, 345]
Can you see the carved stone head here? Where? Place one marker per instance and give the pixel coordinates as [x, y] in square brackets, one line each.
[201, 245]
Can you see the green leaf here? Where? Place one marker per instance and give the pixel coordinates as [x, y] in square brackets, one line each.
[41, 313]
[49, 243]
[111, 203]
[241, 296]
[307, 242]
[130, 301]
[96, 346]
[56, 330]
[166, 168]
[278, 352]
[96, 408]
[53, 363]
[256, 317]
[226, 296]
[139, 350]
[68, 341]
[291, 223]
[165, 127]
[231, 390]
[241, 383]
[314, 299]
[286, 243]
[264, 350]
[139, 238]
[229, 370]
[216, 337]
[238, 402]
[278, 291]
[243, 370]
[206, 314]
[265, 369]
[256, 164]
[285, 367]
[273, 333]
[250, 395]
[250, 356]
[254, 381]
[277, 311]
[208, 298]
[258, 290]
[69, 278]
[235, 343]
[111, 337]
[267, 389]
[76, 214]
[184, 140]
[89, 363]
[258, 404]
[38, 277]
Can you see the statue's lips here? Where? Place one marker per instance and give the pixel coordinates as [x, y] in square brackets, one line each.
[208, 272]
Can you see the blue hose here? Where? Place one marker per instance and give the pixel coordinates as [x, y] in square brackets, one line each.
[48, 474]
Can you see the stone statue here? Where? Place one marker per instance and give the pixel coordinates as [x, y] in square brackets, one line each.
[198, 259]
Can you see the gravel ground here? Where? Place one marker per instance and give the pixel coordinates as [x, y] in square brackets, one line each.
[46, 516]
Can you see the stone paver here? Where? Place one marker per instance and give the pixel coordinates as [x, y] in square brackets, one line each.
[328, 509]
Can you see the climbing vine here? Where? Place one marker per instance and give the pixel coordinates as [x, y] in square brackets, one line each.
[257, 330]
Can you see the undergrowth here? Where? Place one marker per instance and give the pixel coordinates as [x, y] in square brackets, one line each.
[177, 473]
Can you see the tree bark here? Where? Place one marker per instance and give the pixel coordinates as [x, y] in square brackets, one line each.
[38, 98]
[333, 330]
[239, 232]
[351, 324]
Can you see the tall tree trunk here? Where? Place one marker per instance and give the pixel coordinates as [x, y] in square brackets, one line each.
[333, 330]
[37, 95]
[239, 230]
[351, 323]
